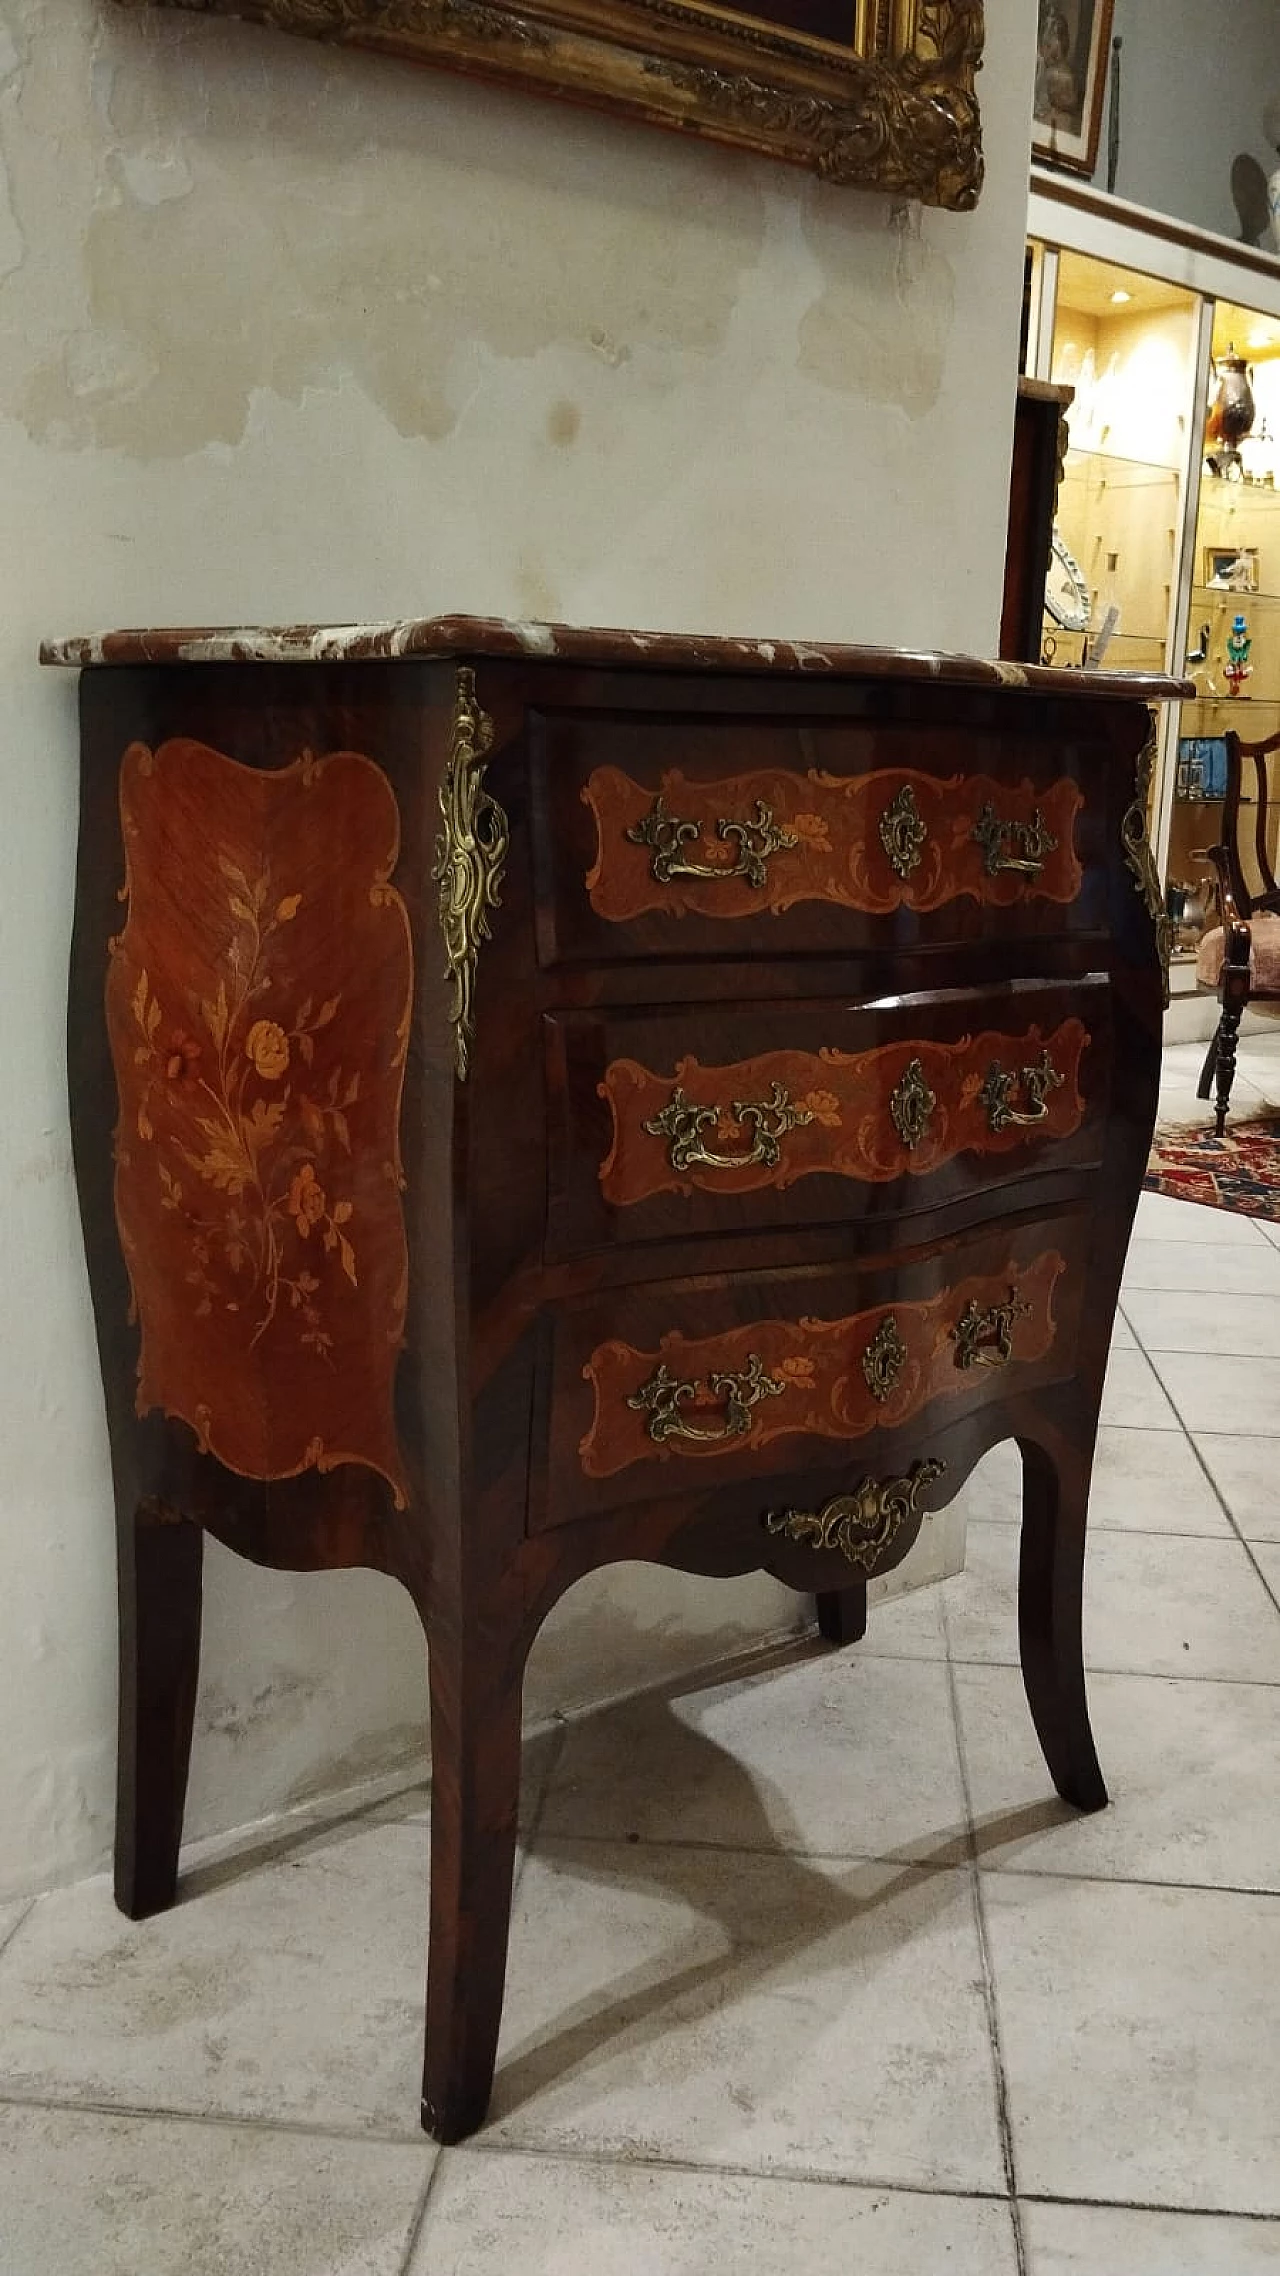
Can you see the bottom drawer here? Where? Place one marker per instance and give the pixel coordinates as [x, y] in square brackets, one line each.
[681, 1386]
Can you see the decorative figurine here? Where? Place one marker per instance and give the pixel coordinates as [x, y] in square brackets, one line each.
[1231, 416]
[1237, 668]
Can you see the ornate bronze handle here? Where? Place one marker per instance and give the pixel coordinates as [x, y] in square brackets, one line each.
[683, 1123]
[985, 1338]
[666, 834]
[1033, 839]
[662, 1397]
[1037, 1082]
[903, 832]
[911, 1105]
[863, 1524]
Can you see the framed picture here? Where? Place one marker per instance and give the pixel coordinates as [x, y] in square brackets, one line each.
[1231, 569]
[875, 92]
[1074, 48]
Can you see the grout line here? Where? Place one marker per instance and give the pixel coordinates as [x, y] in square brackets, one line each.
[418, 2222]
[925, 1866]
[1000, 2076]
[24, 1915]
[1213, 1485]
[303, 2129]
[579, 2153]
[1247, 1546]
[1149, 2205]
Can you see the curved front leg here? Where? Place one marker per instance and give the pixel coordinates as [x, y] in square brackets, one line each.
[160, 1596]
[1055, 1508]
[476, 1687]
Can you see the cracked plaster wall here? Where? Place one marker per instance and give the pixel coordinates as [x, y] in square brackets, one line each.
[289, 334]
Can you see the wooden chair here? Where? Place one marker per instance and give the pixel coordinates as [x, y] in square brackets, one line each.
[1241, 956]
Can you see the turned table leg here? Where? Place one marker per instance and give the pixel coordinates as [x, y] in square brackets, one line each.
[160, 1569]
[842, 1613]
[1055, 1503]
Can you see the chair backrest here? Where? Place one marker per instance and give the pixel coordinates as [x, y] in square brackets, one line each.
[1251, 823]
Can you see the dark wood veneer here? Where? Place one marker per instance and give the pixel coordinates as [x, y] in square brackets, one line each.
[519, 1268]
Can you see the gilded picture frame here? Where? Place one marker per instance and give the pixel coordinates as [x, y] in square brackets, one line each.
[1073, 52]
[878, 93]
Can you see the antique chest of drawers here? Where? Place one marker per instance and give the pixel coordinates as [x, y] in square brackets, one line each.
[545, 1097]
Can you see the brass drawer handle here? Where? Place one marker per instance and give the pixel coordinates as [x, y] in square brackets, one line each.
[903, 832]
[985, 1338]
[1037, 1082]
[911, 1105]
[662, 1397]
[682, 1123]
[1034, 841]
[863, 1524]
[666, 833]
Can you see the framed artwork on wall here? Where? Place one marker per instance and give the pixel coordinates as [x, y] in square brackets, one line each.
[1074, 47]
[879, 93]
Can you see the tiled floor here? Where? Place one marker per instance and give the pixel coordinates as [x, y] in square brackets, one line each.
[810, 1973]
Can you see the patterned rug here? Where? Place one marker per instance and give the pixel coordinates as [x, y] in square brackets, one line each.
[1240, 1171]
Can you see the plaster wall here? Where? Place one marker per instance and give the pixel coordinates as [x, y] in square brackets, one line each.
[292, 334]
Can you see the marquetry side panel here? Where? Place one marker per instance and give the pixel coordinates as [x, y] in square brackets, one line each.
[893, 839]
[792, 1114]
[258, 1003]
[829, 1379]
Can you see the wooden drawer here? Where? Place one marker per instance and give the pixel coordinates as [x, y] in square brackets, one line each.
[715, 1119]
[679, 1386]
[678, 838]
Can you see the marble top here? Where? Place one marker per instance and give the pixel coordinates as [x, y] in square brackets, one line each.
[409, 637]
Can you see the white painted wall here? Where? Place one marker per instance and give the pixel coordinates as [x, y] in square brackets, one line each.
[289, 334]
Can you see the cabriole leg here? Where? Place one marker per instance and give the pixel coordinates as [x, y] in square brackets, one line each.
[1055, 1503]
[475, 1794]
[160, 1590]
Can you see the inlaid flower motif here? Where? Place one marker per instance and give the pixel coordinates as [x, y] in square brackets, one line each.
[182, 1056]
[797, 1370]
[267, 1047]
[306, 1201]
[812, 830]
[824, 1106]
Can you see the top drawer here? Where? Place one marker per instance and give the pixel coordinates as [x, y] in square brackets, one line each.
[728, 838]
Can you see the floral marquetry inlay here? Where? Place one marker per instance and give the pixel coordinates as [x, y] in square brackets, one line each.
[258, 1005]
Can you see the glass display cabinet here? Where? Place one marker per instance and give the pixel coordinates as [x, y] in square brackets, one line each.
[1167, 532]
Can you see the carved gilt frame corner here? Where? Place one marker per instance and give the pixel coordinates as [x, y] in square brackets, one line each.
[879, 93]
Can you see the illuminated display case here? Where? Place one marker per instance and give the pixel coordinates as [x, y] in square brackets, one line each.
[1174, 532]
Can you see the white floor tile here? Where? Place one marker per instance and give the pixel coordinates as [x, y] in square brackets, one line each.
[844, 1754]
[758, 2013]
[904, 1627]
[1161, 1219]
[491, 2214]
[1144, 1481]
[10, 1916]
[1096, 2240]
[1132, 1397]
[1213, 1392]
[1193, 1770]
[1247, 1473]
[1154, 1605]
[88, 2195]
[290, 1991]
[1179, 1320]
[1215, 1270]
[1122, 1336]
[1137, 2026]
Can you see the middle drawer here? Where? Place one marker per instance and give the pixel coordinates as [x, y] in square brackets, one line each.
[729, 1119]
